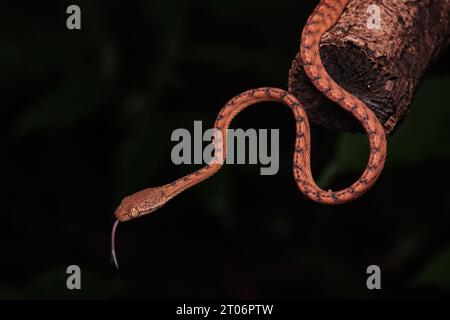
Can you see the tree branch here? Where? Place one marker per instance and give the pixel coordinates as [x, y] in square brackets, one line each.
[381, 66]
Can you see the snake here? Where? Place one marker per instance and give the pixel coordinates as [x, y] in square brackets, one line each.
[324, 16]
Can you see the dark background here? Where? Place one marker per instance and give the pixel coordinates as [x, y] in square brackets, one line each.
[86, 119]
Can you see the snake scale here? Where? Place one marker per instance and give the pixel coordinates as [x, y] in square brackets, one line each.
[321, 20]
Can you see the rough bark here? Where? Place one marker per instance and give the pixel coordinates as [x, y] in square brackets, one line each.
[383, 67]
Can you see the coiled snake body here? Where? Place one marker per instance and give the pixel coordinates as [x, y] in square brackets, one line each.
[321, 20]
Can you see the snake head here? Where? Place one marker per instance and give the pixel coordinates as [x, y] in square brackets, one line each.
[141, 203]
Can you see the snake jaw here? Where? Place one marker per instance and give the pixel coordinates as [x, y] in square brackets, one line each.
[122, 214]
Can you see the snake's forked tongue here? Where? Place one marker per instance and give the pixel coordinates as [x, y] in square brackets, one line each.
[113, 245]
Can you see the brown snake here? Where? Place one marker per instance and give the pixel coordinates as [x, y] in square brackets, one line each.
[321, 20]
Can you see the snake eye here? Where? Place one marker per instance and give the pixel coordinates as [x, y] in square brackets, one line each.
[134, 212]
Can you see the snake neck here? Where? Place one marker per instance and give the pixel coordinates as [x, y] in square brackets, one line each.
[182, 184]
